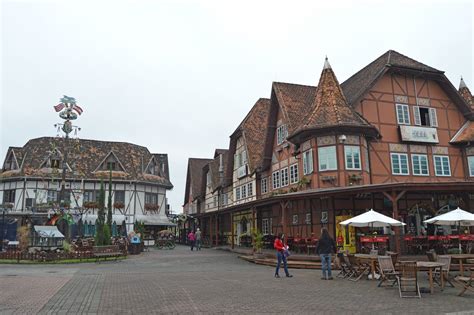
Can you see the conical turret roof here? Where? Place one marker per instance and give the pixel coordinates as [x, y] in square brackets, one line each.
[330, 110]
[466, 94]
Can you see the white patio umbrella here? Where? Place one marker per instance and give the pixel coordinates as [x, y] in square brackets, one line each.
[372, 218]
[457, 217]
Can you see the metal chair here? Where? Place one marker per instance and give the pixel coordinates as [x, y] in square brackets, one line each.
[446, 260]
[387, 270]
[466, 282]
[408, 281]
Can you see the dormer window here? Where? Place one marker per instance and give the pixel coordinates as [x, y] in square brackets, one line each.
[112, 163]
[282, 133]
[111, 166]
[55, 162]
[208, 179]
[10, 163]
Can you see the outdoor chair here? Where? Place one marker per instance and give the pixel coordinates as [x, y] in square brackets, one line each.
[446, 260]
[408, 281]
[432, 256]
[466, 282]
[345, 268]
[358, 268]
[387, 270]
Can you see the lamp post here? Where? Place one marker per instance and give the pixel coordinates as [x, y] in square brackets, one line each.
[68, 110]
[3, 229]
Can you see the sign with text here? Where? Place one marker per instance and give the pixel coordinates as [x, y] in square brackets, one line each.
[419, 134]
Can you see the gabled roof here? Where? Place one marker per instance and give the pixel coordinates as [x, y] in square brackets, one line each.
[215, 172]
[330, 111]
[194, 177]
[361, 81]
[254, 130]
[465, 134]
[295, 102]
[85, 155]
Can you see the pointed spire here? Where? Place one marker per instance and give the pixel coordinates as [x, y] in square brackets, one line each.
[462, 84]
[326, 64]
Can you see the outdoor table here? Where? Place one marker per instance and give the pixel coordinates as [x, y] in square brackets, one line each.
[461, 258]
[373, 262]
[430, 265]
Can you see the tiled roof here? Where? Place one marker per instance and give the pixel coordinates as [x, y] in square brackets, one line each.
[330, 109]
[295, 102]
[254, 129]
[194, 177]
[85, 156]
[357, 84]
[214, 169]
[466, 94]
[465, 134]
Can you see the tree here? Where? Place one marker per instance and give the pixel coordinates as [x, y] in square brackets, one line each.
[102, 236]
[109, 203]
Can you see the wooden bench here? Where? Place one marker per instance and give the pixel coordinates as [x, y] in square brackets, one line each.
[106, 252]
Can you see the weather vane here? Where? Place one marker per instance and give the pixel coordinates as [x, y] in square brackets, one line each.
[68, 110]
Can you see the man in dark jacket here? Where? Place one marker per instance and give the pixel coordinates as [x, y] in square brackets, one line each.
[325, 247]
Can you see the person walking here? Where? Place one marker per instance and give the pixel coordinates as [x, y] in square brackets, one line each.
[280, 248]
[325, 247]
[197, 235]
[192, 239]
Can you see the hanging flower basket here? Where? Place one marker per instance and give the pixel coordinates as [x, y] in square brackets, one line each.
[151, 207]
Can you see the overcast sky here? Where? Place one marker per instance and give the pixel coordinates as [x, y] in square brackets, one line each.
[179, 76]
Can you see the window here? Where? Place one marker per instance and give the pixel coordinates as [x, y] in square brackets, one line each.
[352, 154]
[307, 162]
[441, 165]
[54, 163]
[308, 218]
[282, 133]
[276, 180]
[9, 196]
[284, 177]
[224, 200]
[399, 164]
[240, 159]
[327, 158]
[295, 219]
[403, 116]
[293, 173]
[111, 166]
[243, 191]
[52, 196]
[419, 163]
[250, 189]
[425, 116]
[264, 185]
[119, 196]
[151, 198]
[237, 193]
[90, 196]
[208, 179]
[470, 162]
[265, 226]
[214, 201]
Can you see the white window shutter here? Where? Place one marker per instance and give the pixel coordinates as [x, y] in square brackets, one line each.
[310, 162]
[433, 117]
[416, 114]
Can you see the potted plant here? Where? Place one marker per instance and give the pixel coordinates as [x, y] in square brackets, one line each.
[258, 244]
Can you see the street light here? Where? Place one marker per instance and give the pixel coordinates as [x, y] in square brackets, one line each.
[4, 210]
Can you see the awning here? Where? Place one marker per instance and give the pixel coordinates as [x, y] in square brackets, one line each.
[48, 231]
[154, 220]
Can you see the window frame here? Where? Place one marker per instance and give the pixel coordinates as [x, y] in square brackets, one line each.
[282, 134]
[322, 154]
[276, 180]
[295, 220]
[413, 165]
[308, 163]
[352, 147]
[249, 189]
[116, 193]
[153, 196]
[237, 194]
[262, 181]
[404, 106]
[470, 165]
[284, 177]
[294, 176]
[11, 194]
[449, 165]
[399, 161]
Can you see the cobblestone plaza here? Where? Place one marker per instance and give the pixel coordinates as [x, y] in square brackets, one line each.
[210, 281]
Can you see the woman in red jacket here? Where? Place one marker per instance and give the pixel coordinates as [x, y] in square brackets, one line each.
[280, 248]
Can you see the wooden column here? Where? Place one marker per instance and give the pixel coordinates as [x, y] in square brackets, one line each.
[216, 230]
[284, 206]
[394, 197]
[232, 242]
